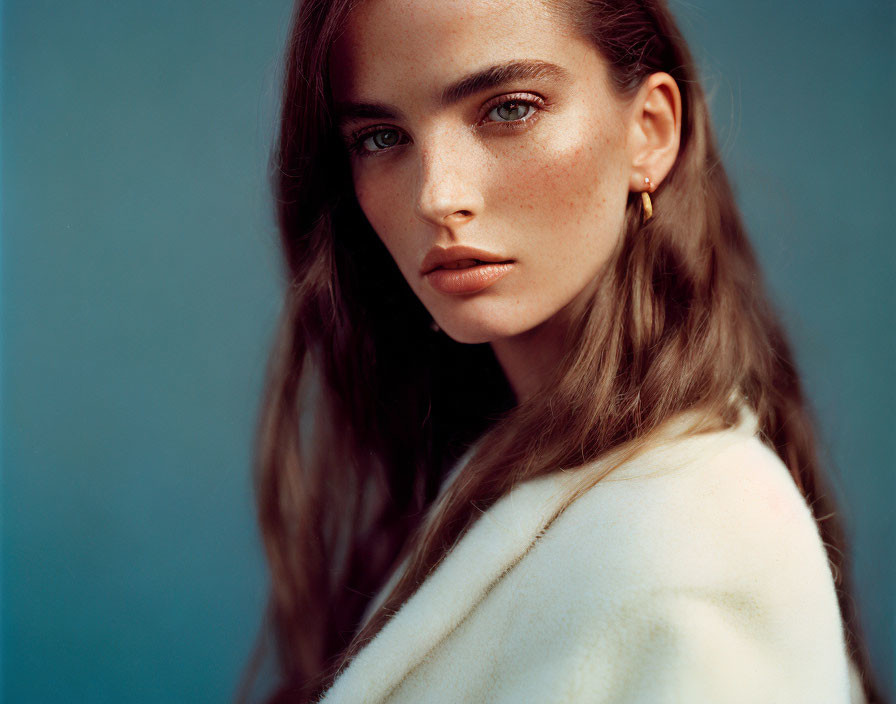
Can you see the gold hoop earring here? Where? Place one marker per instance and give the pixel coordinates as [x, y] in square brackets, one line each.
[645, 199]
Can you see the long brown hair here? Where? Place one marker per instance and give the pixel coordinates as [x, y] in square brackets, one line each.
[359, 422]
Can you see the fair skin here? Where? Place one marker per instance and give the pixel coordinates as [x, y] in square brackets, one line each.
[546, 190]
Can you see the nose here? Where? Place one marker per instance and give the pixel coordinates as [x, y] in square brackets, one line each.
[446, 182]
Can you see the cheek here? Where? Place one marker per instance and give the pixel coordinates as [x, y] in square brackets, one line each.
[381, 202]
[371, 197]
[377, 201]
[567, 171]
[567, 193]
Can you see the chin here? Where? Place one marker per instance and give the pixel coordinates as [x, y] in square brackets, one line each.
[473, 331]
[467, 336]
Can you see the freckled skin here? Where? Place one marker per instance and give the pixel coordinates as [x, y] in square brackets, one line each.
[551, 196]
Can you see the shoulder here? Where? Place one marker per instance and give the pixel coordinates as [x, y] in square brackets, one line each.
[719, 505]
[705, 567]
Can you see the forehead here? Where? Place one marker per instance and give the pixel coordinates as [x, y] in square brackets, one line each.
[393, 50]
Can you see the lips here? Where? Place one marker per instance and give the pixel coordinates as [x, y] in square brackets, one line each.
[458, 257]
[453, 279]
[461, 264]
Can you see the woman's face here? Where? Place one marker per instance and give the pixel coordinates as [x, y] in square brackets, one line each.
[531, 166]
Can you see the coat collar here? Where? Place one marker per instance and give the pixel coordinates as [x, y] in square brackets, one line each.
[491, 547]
[495, 542]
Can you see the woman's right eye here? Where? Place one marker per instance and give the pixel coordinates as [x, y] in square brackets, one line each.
[373, 141]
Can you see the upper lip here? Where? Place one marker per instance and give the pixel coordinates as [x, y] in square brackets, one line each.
[439, 256]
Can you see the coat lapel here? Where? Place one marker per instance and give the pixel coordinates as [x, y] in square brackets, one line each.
[500, 537]
[491, 547]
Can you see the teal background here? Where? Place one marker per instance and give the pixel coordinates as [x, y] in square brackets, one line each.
[140, 286]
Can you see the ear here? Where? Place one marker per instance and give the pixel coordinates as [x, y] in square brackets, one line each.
[654, 131]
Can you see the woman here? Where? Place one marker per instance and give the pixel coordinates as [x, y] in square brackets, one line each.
[559, 450]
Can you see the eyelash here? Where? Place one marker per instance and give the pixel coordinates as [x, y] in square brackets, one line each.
[355, 142]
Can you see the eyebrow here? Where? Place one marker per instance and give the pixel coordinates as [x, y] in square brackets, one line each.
[474, 83]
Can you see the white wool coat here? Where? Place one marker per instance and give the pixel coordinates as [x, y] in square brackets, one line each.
[692, 573]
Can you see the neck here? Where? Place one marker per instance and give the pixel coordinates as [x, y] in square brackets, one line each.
[528, 358]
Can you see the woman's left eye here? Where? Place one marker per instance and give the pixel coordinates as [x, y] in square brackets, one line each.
[513, 110]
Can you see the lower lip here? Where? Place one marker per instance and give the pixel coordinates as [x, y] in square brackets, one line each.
[469, 279]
